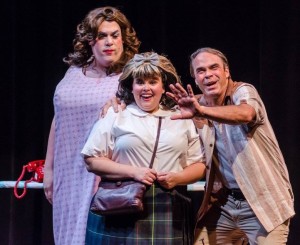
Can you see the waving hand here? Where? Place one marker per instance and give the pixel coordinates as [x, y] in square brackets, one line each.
[186, 101]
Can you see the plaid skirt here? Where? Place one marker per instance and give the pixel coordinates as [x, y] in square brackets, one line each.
[165, 220]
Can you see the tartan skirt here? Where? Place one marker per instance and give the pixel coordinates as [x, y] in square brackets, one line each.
[166, 220]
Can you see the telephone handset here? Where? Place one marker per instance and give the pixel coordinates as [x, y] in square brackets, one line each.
[37, 168]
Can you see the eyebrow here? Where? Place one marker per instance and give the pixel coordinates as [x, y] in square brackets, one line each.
[105, 33]
[214, 64]
[209, 66]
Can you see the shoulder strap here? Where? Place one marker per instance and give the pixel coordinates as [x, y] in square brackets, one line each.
[156, 143]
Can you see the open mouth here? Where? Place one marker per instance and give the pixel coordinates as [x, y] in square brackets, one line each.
[211, 83]
[146, 97]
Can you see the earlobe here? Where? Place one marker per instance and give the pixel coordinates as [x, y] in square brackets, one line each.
[227, 72]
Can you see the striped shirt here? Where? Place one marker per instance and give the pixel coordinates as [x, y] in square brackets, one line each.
[255, 158]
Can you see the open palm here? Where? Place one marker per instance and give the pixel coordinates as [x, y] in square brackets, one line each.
[186, 101]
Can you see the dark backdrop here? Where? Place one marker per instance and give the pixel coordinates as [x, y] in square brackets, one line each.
[260, 38]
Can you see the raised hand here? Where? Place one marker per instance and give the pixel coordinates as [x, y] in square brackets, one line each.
[186, 101]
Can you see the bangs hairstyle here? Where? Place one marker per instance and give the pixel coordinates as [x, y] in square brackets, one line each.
[147, 67]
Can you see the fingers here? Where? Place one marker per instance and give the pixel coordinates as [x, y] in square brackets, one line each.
[165, 181]
[148, 180]
[115, 103]
[123, 105]
[48, 195]
[151, 176]
[105, 108]
[50, 200]
[190, 91]
[170, 95]
[161, 177]
[179, 92]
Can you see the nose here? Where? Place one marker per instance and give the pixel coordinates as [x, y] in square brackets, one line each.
[108, 41]
[146, 86]
[208, 73]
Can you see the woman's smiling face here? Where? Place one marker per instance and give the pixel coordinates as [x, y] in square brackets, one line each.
[147, 93]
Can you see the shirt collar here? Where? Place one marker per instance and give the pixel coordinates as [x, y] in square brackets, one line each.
[135, 110]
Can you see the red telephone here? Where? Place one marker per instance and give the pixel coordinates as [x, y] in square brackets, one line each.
[37, 167]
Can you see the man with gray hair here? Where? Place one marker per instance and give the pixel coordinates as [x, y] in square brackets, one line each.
[248, 191]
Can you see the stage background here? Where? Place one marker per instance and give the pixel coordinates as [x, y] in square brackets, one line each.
[260, 38]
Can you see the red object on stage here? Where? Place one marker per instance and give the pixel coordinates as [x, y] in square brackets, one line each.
[37, 167]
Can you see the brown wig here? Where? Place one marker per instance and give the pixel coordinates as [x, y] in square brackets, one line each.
[87, 31]
[147, 65]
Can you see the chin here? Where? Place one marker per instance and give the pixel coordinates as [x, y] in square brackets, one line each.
[209, 93]
[213, 92]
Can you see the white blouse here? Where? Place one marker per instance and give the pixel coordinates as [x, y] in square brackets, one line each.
[128, 137]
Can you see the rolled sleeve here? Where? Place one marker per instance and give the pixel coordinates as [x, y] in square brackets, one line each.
[195, 152]
[247, 94]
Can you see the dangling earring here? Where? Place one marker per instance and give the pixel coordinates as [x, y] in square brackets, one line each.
[91, 59]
